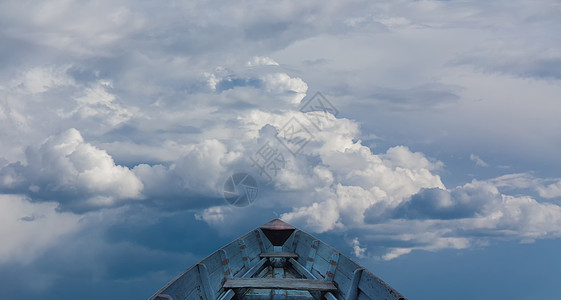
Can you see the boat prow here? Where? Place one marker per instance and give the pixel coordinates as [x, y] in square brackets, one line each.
[277, 261]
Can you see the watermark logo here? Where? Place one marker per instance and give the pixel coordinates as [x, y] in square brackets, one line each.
[240, 189]
[268, 160]
[318, 109]
[294, 136]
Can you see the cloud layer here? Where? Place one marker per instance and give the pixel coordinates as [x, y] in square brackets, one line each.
[120, 122]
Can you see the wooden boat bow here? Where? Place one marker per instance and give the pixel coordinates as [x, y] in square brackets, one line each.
[276, 261]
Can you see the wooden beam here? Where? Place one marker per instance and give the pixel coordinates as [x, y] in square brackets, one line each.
[279, 255]
[256, 268]
[281, 283]
[205, 280]
[301, 269]
[243, 250]
[229, 294]
[352, 293]
[312, 255]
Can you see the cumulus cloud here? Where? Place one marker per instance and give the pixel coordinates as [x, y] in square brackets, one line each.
[67, 170]
[145, 109]
[463, 216]
[358, 251]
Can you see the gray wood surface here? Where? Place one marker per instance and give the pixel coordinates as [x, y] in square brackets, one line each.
[281, 283]
[279, 254]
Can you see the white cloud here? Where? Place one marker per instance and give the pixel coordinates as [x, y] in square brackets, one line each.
[478, 161]
[545, 187]
[28, 229]
[72, 172]
[282, 83]
[261, 61]
[168, 100]
[41, 79]
[358, 251]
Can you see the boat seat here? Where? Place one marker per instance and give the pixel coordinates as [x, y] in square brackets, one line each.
[281, 284]
[278, 255]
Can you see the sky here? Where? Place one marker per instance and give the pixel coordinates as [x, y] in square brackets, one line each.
[420, 138]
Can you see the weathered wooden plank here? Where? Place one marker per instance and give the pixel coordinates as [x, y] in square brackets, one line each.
[320, 265]
[288, 246]
[330, 274]
[194, 295]
[183, 284]
[205, 279]
[226, 266]
[264, 242]
[346, 266]
[281, 283]
[279, 254]
[213, 262]
[244, 255]
[278, 272]
[235, 257]
[342, 281]
[312, 254]
[317, 274]
[375, 288]
[330, 296]
[256, 268]
[229, 294]
[278, 294]
[301, 269]
[363, 296]
[303, 246]
[325, 251]
[252, 246]
[352, 292]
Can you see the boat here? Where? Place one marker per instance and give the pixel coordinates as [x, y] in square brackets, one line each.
[277, 261]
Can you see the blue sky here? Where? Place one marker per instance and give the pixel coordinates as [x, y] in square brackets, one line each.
[438, 167]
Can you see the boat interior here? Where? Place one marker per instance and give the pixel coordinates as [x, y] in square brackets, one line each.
[276, 261]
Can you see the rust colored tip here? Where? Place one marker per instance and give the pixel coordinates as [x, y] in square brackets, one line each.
[277, 224]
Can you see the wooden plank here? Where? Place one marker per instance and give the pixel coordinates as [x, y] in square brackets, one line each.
[194, 295]
[288, 246]
[213, 262]
[332, 266]
[183, 285]
[303, 247]
[330, 296]
[375, 288]
[312, 254]
[226, 267]
[278, 294]
[320, 265]
[352, 292]
[207, 289]
[229, 294]
[301, 269]
[325, 251]
[256, 268]
[252, 247]
[243, 251]
[363, 296]
[281, 283]
[346, 266]
[279, 254]
[264, 242]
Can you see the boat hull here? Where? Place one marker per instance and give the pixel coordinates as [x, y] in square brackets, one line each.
[269, 264]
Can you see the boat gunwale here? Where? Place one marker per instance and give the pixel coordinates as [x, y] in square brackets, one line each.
[391, 290]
